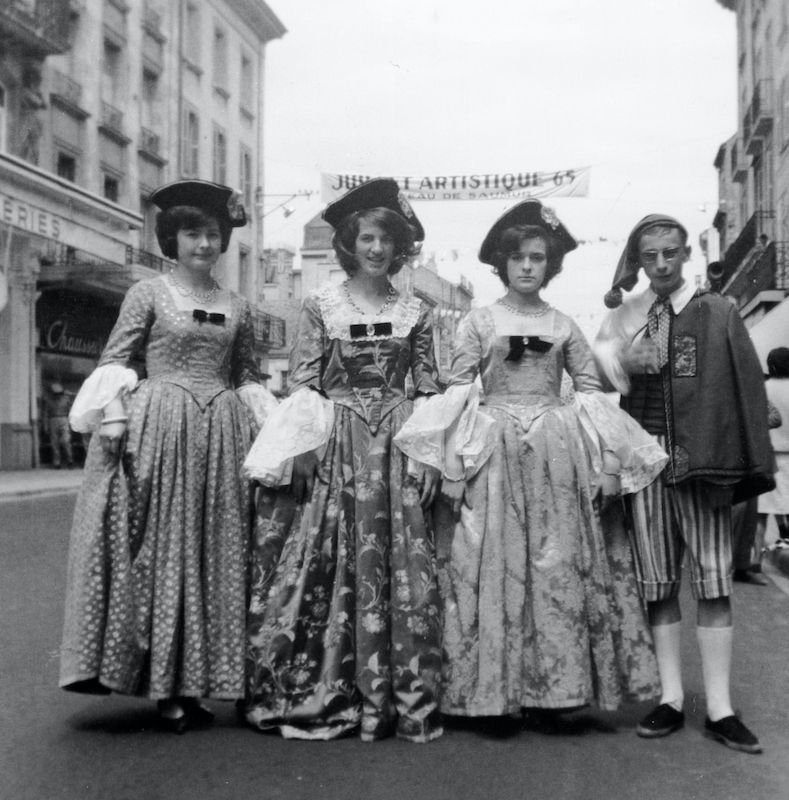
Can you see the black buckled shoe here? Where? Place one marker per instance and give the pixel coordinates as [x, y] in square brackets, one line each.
[733, 733]
[662, 721]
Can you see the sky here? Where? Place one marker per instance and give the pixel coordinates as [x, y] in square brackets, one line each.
[642, 91]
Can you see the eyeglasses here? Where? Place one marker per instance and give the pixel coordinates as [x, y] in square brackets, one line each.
[670, 255]
[213, 317]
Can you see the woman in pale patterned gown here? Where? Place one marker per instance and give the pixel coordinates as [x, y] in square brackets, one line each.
[540, 603]
[156, 593]
[344, 626]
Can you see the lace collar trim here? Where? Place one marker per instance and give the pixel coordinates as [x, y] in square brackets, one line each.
[338, 316]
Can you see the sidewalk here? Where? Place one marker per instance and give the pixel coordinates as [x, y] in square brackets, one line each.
[38, 482]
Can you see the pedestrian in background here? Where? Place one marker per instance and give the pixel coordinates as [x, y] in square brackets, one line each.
[157, 579]
[57, 403]
[776, 502]
[541, 607]
[344, 631]
[687, 371]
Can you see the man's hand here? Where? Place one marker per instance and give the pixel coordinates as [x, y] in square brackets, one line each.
[642, 357]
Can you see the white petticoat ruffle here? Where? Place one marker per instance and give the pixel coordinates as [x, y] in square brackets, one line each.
[300, 423]
[101, 387]
[450, 433]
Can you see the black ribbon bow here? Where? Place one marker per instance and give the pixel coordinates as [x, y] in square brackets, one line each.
[372, 329]
[214, 317]
[518, 344]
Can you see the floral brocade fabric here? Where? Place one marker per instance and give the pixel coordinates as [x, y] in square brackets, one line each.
[156, 591]
[344, 623]
[540, 601]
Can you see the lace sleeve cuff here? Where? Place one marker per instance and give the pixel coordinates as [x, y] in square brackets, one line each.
[607, 427]
[103, 385]
[301, 423]
[449, 432]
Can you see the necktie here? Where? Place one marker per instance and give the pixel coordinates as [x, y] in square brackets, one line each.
[658, 324]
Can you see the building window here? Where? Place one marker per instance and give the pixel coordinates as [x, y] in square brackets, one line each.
[245, 177]
[112, 186]
[220, 59]
[243, 270]
[784, 112]
[192, 34]
[246, 86]
[190, 152]
[112, 72]
[2, 117]
[66, 166]
[150, 100]
[220, 155]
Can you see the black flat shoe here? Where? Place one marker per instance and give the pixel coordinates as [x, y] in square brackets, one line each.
[172, 717]
[733, 733]
[197, 714]
[662, 721]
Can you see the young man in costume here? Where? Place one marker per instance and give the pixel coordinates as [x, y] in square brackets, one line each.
[687, 371]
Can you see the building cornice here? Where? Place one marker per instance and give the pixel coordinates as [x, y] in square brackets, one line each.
[730, 4]
[260, 18]
[21, 173]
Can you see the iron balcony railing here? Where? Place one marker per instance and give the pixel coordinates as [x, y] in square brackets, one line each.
[149, 141]
[40, 25]
[111, 117]
[66, 88]
[269, 330]
[146, 259]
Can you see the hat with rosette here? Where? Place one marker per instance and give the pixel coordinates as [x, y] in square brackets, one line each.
[375, 193]
[529, 212]
[214, 198]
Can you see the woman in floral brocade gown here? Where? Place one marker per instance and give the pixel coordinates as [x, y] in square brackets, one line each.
[344, 626]
[156, 594]
[540, 603]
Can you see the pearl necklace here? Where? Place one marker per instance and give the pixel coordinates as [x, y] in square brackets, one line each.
[538, 311]
[208, 296]
[391, 296]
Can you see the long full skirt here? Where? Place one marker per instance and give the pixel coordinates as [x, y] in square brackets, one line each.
[540, 601]
[156, 590]
[344, 623]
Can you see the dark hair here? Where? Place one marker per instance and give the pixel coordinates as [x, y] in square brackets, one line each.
[512, 239]
[179, 218]
[344, 239]
[778, 362]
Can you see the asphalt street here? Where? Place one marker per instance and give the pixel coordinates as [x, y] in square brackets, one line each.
[59, 745]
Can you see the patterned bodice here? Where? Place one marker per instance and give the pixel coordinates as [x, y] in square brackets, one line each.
[359, 360]
[533, 376]
[203, 357]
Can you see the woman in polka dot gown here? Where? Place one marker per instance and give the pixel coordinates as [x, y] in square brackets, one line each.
[156, 590]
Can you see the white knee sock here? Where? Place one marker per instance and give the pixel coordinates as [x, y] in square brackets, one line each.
[715, 647]
[667, 650]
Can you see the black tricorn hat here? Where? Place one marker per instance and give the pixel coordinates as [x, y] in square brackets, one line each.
[376, 193]
[529, 212]
[214, 198]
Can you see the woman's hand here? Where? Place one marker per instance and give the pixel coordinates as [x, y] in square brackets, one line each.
[429, 486]
[610, 489]
[452, 493]
[111, 436]
[305, 465]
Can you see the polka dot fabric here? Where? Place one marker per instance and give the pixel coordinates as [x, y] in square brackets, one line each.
[159, 545]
